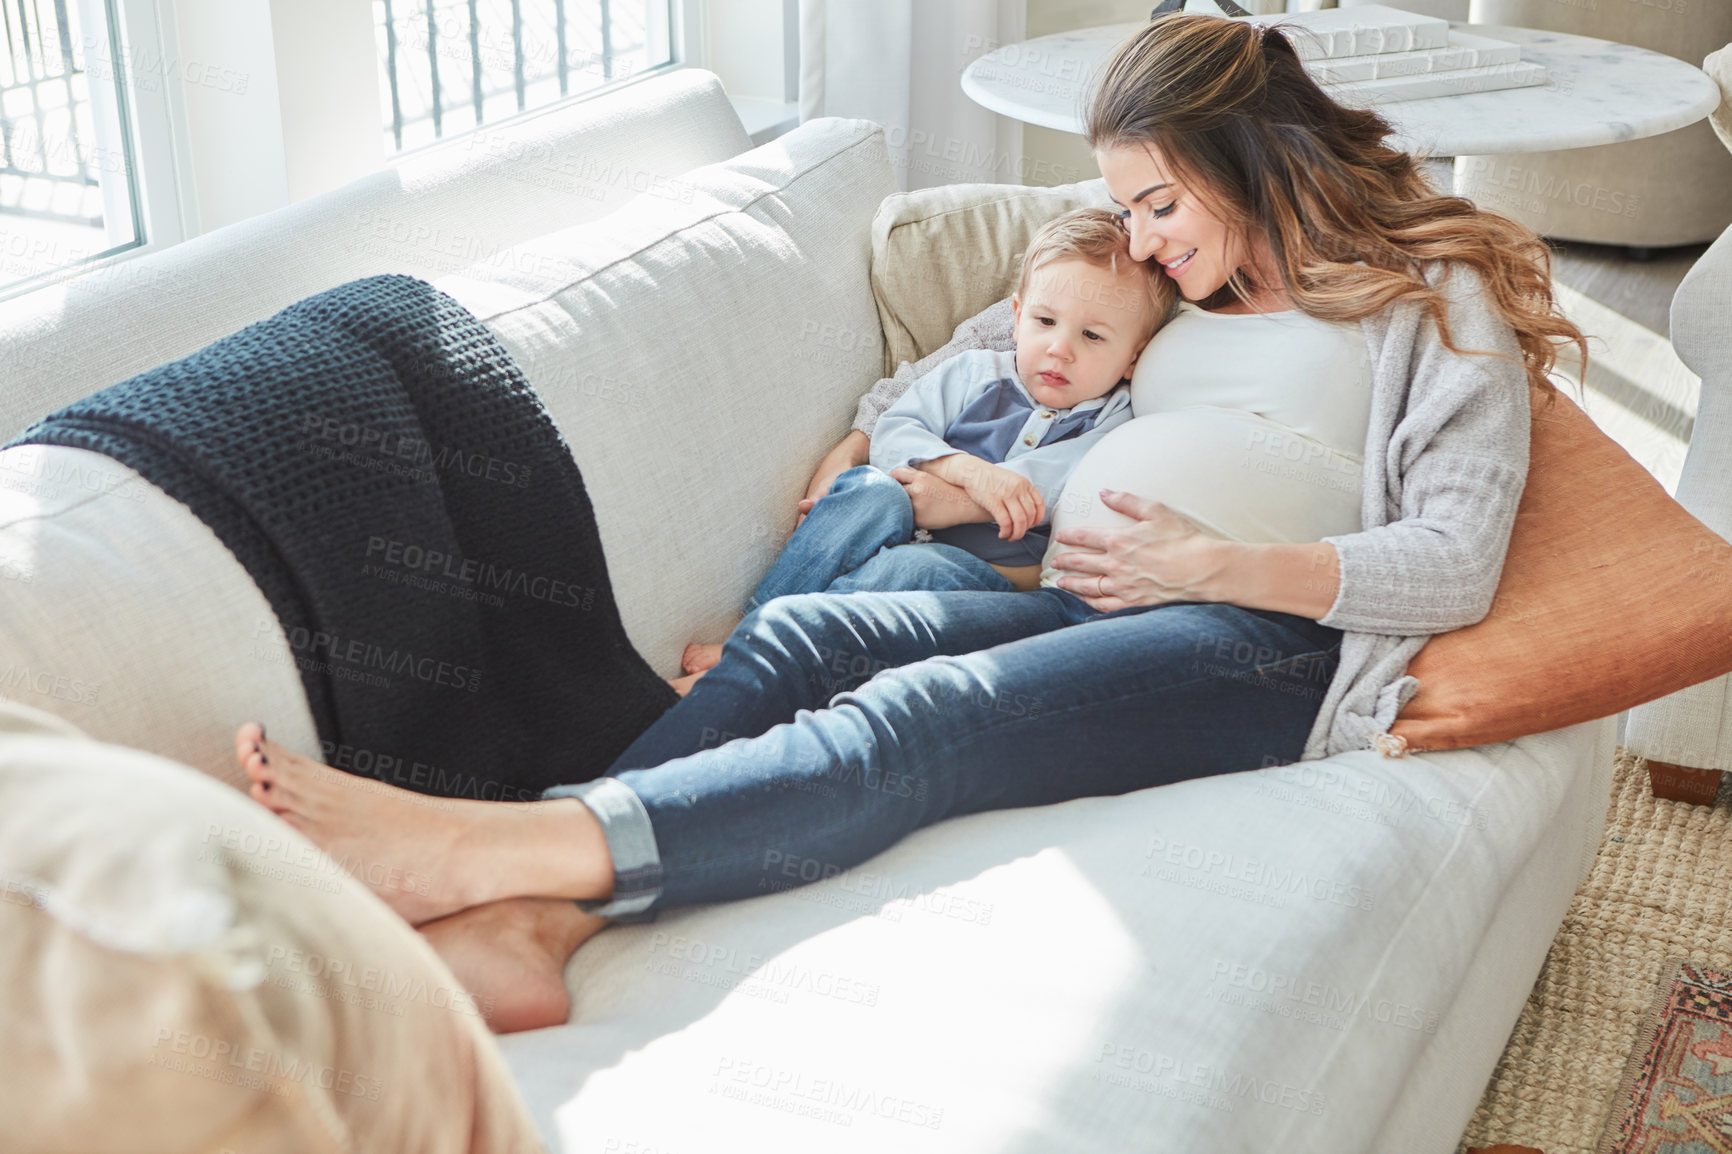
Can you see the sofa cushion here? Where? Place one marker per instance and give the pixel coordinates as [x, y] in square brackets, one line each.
[942, 254]
[1244, 963]
[186, 972]
[1603, 604]
[700, 357]
[732, 327]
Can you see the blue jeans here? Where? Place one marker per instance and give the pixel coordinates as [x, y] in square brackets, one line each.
[833, 726]
[855, 539]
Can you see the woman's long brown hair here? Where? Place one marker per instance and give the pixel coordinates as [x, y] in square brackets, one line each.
[1228, 104]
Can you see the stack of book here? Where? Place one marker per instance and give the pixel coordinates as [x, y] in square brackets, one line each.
[1375, 55]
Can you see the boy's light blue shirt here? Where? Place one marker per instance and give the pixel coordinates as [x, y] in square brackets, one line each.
[921, 425]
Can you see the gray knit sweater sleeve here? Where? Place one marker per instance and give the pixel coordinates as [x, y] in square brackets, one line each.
[1446, 460]
[1446, 463]
[992, 329]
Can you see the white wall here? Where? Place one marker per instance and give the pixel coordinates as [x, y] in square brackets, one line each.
[278, 100]
[219, 55]
[743, 44]
[328, 73]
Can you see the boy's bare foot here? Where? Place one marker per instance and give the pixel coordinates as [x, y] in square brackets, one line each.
[511, 957]
[428, 857]
[699, 657]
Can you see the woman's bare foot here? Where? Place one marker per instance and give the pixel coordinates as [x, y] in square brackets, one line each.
[511, 958]
[683, 685]
[699, 657]
[428, 857]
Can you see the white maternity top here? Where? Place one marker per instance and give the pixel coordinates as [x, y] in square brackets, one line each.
[1253, 426]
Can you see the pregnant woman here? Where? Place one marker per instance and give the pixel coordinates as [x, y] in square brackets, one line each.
[1338, 305]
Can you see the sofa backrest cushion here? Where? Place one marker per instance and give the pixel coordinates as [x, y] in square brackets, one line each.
[699, 354]
[444, 209]
[940, 255]
[185, 971]
[699, 357]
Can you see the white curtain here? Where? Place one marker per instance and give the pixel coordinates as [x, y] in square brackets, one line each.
[900, 63]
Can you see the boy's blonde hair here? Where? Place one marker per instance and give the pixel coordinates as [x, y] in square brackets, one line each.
[1095, 235]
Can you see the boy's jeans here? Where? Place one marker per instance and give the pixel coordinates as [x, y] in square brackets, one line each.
[855, 540]
[834, 726]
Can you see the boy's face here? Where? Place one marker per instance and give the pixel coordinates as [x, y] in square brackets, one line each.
[1079, 330]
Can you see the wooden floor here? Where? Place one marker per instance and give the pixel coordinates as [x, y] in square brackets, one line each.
[1638, 289]
[1636, 388]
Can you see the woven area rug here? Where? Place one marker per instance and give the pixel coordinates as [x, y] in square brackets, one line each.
[1676, 1095]
[1660, 889]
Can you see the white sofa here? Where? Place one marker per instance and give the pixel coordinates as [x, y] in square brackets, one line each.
[1323, 957]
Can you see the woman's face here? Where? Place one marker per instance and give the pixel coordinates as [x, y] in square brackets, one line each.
[1170, 223]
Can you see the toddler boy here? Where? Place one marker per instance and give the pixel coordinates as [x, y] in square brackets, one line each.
[1004, 428]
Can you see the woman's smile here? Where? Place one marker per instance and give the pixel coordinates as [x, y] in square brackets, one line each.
[1177, 267]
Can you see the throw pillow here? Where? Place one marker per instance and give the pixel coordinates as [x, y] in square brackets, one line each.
[941, 254]
[186, 972]
[1611, 595]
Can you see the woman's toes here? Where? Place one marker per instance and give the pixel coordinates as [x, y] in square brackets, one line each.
[271, 799]
[247, 739]
[275, 754]
[258, 767]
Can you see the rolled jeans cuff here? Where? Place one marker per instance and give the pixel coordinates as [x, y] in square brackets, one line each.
[631, 843]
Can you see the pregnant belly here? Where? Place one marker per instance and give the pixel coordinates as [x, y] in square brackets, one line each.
[1237, 475]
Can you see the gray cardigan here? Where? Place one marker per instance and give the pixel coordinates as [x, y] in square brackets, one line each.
[1446, 457]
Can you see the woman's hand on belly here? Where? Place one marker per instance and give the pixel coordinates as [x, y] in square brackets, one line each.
[1164, 557]
[1161, 557]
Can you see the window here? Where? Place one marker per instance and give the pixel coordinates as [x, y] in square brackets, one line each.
[66, 156]
[447, 66]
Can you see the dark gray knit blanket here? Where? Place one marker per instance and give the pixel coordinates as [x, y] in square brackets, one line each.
[381, 468]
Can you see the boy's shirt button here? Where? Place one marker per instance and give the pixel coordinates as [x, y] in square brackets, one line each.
[1028, 440]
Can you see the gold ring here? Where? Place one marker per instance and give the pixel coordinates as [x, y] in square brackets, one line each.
[1100, 585]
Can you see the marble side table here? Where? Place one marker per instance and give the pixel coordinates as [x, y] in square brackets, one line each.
[1597, 92]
